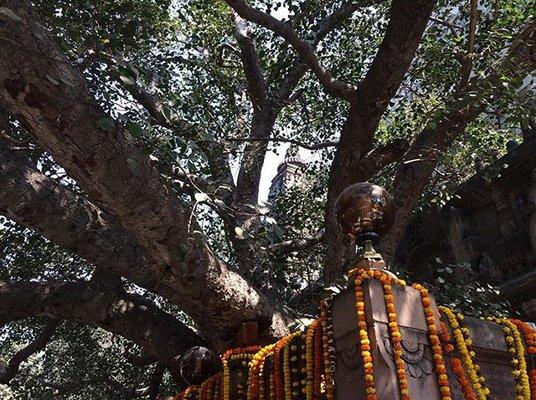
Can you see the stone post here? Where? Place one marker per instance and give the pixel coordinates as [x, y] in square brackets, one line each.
[417, 352]
[488, 343]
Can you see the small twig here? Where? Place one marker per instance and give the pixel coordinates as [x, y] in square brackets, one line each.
[290, 246]
[316, 146]
[22, 355]
[453, 28]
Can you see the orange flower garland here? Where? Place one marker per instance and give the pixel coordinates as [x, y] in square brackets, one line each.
[394, 331]
[280, 380]
[532, 382]
[318, 360]
[516, 349]
[529, 335]
[464, 342]
[364, 341]
[439, 362]
[310, 358]
[187, 393]
[457, 367]
[329, 363]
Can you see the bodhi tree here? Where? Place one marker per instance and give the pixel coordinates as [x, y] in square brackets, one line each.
[133, 135]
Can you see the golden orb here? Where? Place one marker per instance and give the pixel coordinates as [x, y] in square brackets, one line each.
[364, 210]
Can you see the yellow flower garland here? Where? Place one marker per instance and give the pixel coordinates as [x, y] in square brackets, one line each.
[516, 348]
[244, 354]
[309, 358]
[364, 341]
[435, 343]
[286, 373]
[329, 363]
[254, 373]
[366, 354]
[463, 343]
[396, 340]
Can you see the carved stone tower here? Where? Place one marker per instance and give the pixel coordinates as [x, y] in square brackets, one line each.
[289, 173]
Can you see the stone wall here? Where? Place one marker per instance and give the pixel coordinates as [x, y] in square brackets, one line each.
[490, 225]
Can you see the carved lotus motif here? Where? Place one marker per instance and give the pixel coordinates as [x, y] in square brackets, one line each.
[419, 363]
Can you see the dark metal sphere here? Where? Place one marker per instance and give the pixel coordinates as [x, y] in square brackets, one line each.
[364, 208]
[198, 364]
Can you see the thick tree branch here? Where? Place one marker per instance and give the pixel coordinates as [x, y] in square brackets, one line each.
[424, 154]
[262, 127]
[38, 202]
[302, 47]
[50, 98]
[404, 33]
[325, 27]
[155, 331]
[290, 246]
[380, 157]
[246, 191]
[162, 116]
[263, 120]
[22, 355]
[257, 86]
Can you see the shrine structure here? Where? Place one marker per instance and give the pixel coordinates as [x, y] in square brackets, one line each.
[380, 339]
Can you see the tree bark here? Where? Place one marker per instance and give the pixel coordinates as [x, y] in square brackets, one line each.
[51, 100]
[38, 202]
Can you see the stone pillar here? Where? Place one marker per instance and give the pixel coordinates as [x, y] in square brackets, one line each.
[417, 352]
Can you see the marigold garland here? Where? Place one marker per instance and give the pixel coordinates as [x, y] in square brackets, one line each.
[262, 389]
[279, 379]
[529, 334]
[318, 360]
[464, 343]
[254, 373]
[439, 362]
[244, 354]
[394, 331]
[532, 381]
[364, 341]
[310, 357]
[217, 386]
[186, 394]
[327, 350]
[456, 365]
[516, 349]
[272, 384]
